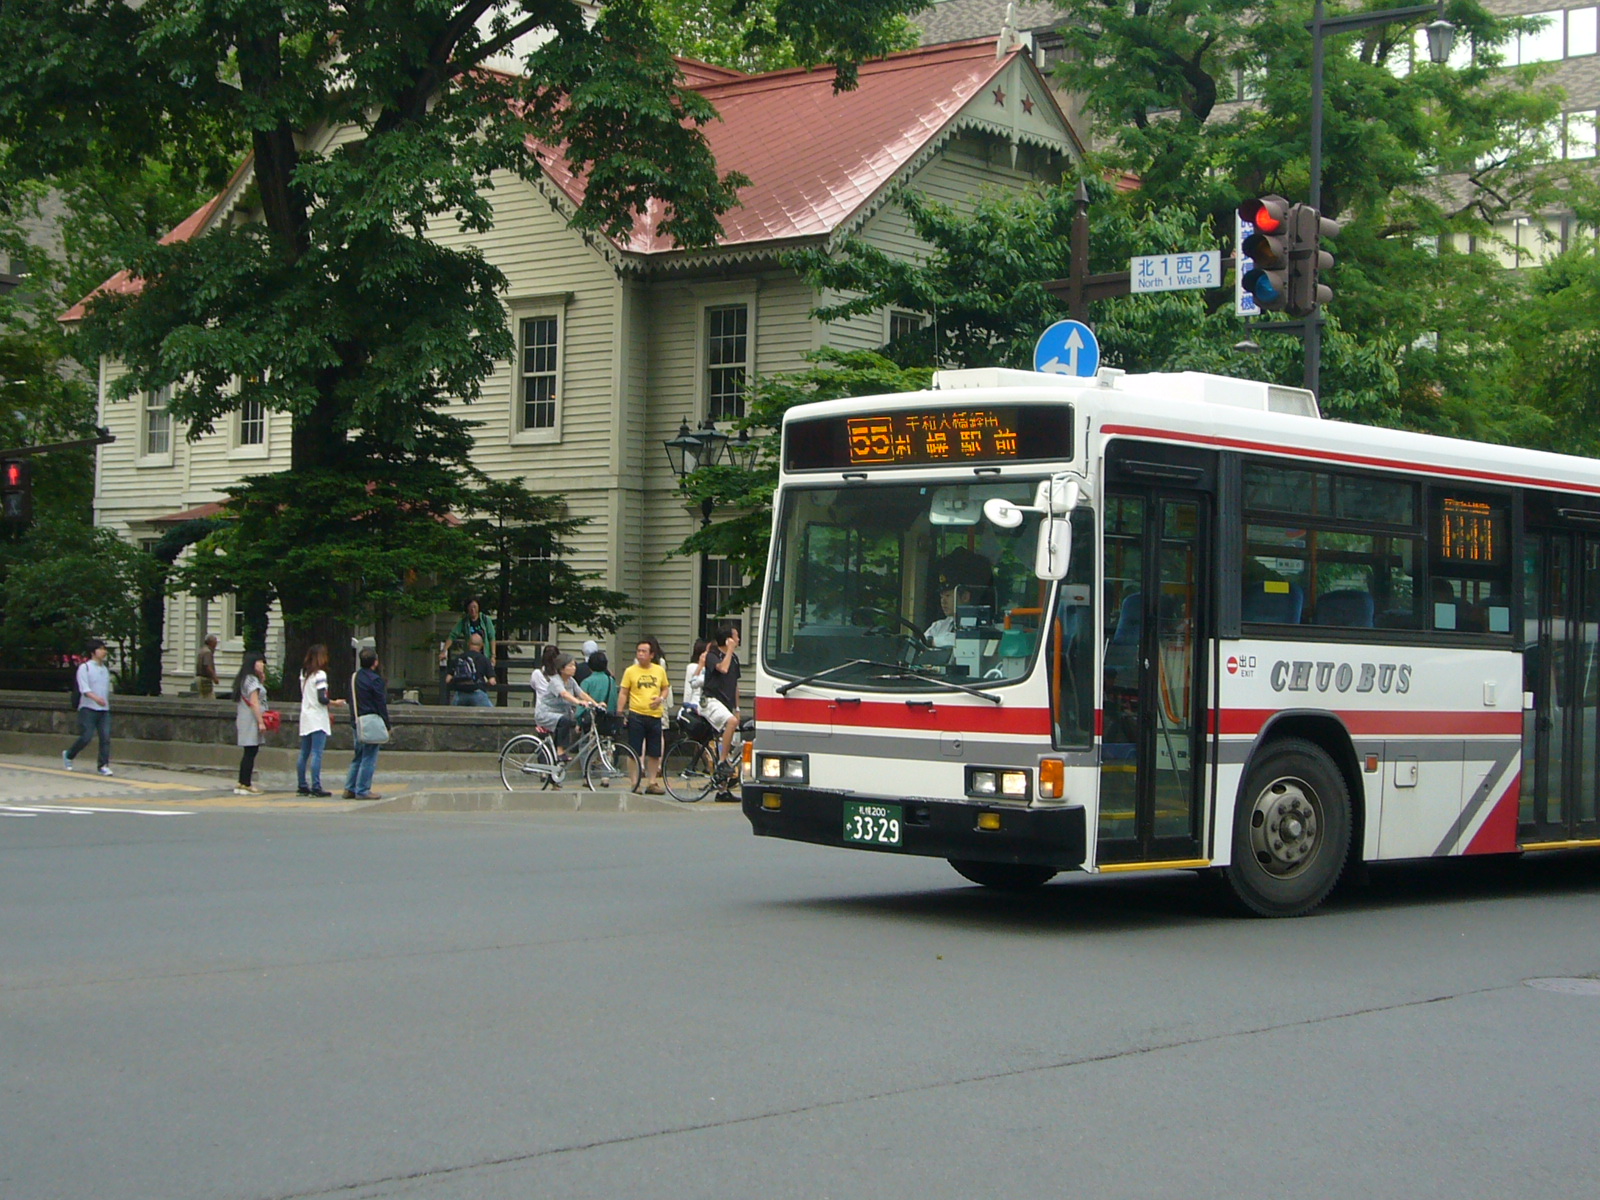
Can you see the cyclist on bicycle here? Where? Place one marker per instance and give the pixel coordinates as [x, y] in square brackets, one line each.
[719, 694]
[559, 705]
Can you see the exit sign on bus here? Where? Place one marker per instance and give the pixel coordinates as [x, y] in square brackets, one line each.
[1175, 272]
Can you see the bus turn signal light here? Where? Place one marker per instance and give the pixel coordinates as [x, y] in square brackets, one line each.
[771, 801]
[989, 820]
[1052, 778]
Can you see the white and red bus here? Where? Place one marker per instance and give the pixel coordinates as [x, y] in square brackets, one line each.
[1029, 623]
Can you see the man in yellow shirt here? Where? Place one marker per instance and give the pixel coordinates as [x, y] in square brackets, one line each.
[645, 695]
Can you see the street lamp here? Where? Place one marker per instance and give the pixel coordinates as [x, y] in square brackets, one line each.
[692, 449]
[1441, 39]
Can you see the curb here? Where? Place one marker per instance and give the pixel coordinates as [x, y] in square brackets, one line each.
[543, 800]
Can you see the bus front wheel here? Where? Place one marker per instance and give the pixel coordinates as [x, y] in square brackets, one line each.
[1291, 831]
[1004, 877]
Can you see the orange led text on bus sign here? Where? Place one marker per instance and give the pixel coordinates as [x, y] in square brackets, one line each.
[930, 437]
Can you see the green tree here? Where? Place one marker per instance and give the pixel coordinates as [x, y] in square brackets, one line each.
[327, 300]
[1553, 338]
[69, 582]
[1414, 155]
[745, 34]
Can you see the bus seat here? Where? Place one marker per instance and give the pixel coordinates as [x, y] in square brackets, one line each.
[1274, 607]
[1348, 606]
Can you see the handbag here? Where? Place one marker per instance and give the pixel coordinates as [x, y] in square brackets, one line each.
[271, 720]
[369, 726]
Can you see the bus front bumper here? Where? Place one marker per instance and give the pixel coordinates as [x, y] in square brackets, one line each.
[937, 828]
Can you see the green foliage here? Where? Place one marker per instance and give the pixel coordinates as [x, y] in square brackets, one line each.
[1553, 339]
[69, 582]
[521, 541]
[745, 35]
[743, 537]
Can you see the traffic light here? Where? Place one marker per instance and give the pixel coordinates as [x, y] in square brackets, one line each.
[1307, 259]
[1267, 246]
[16, 491]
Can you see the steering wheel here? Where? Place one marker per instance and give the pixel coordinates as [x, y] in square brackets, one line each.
[911, 634]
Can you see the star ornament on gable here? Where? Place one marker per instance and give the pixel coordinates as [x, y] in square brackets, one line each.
[999, 95]
[1027, 105]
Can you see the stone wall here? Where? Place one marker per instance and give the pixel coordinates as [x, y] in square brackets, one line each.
[181, 719]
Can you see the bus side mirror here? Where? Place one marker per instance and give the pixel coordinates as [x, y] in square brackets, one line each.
[1054, 553]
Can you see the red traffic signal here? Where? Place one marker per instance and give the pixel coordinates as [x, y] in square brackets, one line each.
[16, 492]
[1265, 243]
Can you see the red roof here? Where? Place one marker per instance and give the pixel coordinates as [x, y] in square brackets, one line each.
[814, 157]
[189, 514]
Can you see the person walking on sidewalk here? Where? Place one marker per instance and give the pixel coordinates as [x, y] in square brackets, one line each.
[205, 667]
[94, 706]
[250, 721]
[316, 721]
[369, 696]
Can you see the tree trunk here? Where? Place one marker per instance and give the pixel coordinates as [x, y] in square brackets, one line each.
[300, 635]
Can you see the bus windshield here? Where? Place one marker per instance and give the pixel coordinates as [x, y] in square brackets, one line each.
[896, 587]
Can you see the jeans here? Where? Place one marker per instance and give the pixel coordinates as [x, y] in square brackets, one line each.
[311, 745]
[471, 700]
[93, 721]
[362, 766]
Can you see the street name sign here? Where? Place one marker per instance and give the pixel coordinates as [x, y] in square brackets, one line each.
[1175, 272]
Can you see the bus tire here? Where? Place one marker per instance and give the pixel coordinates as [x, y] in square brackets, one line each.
[1004, 877]
[1291, 831]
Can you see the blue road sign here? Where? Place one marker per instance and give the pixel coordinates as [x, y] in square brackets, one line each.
[1067, 348]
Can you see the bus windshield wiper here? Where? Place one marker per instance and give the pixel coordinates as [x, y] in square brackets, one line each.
[902, 673]
[826, 671]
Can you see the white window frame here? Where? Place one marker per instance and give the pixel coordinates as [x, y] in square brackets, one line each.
[703, 362]
[889, 316]
[533, 308]
[540, 633]
[244, 449]
[147, 406]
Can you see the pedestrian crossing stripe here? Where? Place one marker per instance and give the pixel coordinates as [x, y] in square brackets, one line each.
[34, 810]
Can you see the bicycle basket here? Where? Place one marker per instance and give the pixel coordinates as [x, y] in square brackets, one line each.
[608, 724]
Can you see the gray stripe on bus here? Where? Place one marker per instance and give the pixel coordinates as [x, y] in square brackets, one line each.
[1236, 753]
[873, 745]
[1470, 810]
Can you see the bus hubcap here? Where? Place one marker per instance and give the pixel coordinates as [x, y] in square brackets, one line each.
[1284, 827]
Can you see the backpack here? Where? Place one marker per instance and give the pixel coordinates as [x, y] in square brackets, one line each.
[465, 674]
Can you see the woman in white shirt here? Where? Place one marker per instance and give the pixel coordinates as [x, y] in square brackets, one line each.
[694, 675]
[315, 719]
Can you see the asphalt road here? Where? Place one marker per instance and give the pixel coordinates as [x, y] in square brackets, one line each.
[239, 1004]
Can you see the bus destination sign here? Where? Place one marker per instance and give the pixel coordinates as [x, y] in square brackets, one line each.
[940, 436]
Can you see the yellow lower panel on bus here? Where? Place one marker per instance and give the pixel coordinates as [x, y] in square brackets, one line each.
[1175, 864]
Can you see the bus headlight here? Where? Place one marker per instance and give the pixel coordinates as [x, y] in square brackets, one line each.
[785, 768]
[993, 781]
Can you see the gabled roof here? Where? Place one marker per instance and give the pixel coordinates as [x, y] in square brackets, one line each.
[956, 20]
[817, 160]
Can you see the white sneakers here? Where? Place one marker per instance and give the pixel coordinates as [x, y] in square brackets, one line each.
[246, 789]
[105, 770]
[65, 761]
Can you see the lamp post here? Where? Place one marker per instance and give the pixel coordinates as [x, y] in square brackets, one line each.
[692, 449]
[1441, 39]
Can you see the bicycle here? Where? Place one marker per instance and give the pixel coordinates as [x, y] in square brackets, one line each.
[690, 768]
[531, 761]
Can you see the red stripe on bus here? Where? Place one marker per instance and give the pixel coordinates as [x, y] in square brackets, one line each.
[1365, 460]
[1382, 724]
[1498, 834]
[897, 714]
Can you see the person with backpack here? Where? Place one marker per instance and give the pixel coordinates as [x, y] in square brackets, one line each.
[471, 676]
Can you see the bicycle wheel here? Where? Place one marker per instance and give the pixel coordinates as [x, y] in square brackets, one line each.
[524, 763]
[611, 766]
[686, 770]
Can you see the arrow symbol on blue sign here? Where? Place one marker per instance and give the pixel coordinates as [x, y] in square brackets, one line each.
[1056, 367]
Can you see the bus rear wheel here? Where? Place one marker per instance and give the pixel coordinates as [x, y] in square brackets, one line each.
[1291, 831]
[1004, 877]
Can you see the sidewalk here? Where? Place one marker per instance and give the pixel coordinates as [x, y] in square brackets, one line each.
[31, 774]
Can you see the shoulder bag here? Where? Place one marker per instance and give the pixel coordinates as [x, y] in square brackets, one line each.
[369, 726]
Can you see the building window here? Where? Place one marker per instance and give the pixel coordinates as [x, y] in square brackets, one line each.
[719, 580]
[541, 351]
[537, 634]
[1581, 30]
[727, 360]
[157, 424]
[1580, 141]
[904, 324]
[252, 423]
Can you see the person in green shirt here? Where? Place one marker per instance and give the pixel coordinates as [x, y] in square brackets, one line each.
[599, 683]
[474, 620]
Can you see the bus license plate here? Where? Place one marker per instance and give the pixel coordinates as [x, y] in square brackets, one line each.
[872, 824]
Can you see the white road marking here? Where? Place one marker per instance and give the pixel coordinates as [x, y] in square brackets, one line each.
[34, 810]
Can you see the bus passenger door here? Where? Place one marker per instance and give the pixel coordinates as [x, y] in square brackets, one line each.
[1155, 604]
[1561, 670]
